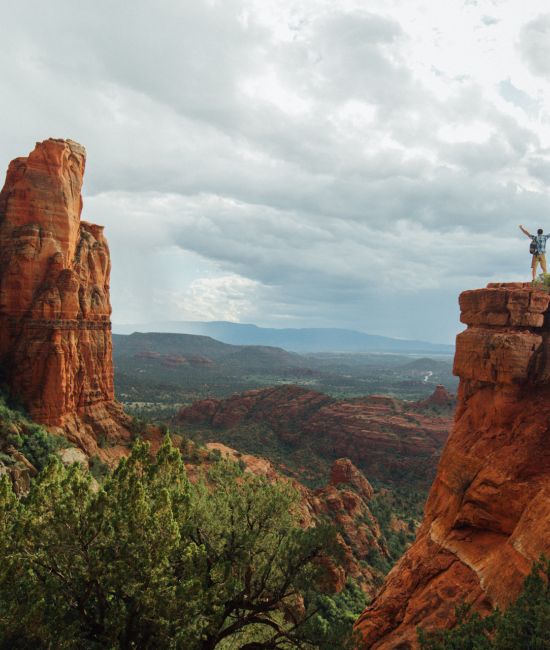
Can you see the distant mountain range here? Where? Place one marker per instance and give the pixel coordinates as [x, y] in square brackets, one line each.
[296, 340]
[174, 349]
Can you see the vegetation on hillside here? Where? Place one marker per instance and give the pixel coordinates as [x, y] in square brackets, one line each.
[525, 624]
[18, 431]
[258, 439]
[398, 512]
[150, 560]
[156, 374]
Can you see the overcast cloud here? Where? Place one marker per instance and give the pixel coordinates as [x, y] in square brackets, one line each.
[294, 162]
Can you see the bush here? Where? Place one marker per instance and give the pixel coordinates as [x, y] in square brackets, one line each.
[38, 445]
[138, 427]
[31, 439]
[376, 560]
[332, 625]
[543, 281]
[98, 469]
[215, 455]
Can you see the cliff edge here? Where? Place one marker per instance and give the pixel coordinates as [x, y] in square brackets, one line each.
[55, 329]
[487, 518]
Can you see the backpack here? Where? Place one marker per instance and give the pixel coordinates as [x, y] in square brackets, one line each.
[533, 247]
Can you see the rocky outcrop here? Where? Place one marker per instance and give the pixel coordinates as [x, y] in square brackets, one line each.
[17, 468]
[55, 330]
[283, 408]
[389, 439]
[439, 399]
[345, 503]
[487, 518]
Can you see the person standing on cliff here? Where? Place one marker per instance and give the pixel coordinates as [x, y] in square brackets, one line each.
[538, 248]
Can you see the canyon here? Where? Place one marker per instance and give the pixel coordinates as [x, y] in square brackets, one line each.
[390, 440]
[56, 354]
[487, 518]
[344, 501]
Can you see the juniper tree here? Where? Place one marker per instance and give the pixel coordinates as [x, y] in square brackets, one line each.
[151, 561]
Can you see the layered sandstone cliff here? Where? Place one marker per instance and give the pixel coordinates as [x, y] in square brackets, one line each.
[389, 439]
[487, 518]
[55, 330]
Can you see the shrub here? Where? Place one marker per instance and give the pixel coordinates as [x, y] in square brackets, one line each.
[543, 281]
[31, 439]
[98, 469]
[138, 427]
[38, 445]
[332, 625]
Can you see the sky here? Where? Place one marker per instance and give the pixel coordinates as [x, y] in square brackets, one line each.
[294, 163]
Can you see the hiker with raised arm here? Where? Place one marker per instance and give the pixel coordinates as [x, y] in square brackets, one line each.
[537, 248]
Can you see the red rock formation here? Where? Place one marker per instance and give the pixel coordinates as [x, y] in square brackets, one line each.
[440, 398]
[386, 437]
[55, 330]
[488, 514]
[345, 502]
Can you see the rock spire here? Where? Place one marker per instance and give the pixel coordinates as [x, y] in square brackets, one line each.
[55, 330]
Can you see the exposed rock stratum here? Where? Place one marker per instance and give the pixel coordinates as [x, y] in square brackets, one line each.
[55, 329]
[389, 439]
[487, 518]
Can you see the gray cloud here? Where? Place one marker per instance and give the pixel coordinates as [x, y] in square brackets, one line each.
[518, 97]
[534, 45]
[310, 180]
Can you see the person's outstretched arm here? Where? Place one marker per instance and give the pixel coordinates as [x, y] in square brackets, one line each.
[525, 232]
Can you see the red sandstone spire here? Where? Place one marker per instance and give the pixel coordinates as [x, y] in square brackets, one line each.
[55, 338]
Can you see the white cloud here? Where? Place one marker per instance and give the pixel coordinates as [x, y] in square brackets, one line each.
[226, 297]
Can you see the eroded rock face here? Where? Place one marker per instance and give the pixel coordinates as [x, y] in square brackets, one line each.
[487, 518]
[345, 502]
[55, 330]
[388, 439]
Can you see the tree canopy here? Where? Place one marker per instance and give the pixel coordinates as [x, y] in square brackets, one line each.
[150, 560]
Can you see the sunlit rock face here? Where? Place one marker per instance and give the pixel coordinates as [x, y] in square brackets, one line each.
[55, 330]
[487, 518]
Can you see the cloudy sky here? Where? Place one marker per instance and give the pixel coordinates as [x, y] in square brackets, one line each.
[294, 162]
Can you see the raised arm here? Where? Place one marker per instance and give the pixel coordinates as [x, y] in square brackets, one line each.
[525, 232]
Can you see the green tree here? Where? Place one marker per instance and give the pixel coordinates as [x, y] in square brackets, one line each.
[262, 568]
[99, 570]
[151, 561]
